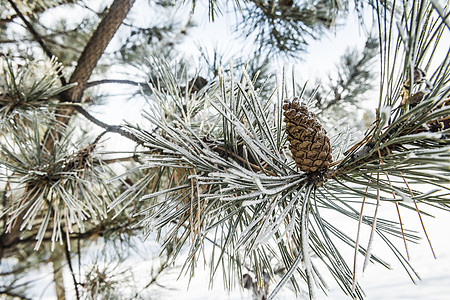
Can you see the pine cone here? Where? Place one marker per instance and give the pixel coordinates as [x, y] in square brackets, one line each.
[309, 144]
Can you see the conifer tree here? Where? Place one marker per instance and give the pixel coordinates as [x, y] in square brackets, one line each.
[245, 172]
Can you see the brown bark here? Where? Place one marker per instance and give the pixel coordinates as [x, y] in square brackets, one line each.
[58, 277]
[10, 238]
[89, 58]
[97, 45]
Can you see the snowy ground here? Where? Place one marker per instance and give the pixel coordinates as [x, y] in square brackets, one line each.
[378, 283]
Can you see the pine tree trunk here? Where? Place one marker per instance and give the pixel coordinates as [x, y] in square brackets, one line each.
[58, 277]
[97, 45]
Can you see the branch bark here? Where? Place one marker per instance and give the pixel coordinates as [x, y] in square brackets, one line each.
[58, 276]
[109, 128]
[97, 45]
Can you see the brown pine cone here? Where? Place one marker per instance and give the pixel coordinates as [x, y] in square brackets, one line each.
[309, 144]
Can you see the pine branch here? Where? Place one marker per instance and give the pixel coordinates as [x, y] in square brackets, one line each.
[115, 81]
[37, 37]
[284, 26]
[236, 183]
[354, 78]
[90, 56]
[221, 171]
[69, 263]
[64, 170]
[36, 10]
[13, 295]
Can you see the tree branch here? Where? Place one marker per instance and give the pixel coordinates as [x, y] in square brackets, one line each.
[120, 159]
[69, 262]
[109, 128]
[96, 231]
[58, 277]
[118, 81]
[97, 45]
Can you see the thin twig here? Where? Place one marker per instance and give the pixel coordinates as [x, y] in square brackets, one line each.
[92, 233]
[79, 257]
[61, 45]
[120, 159]
[118, 81]
[14, 295]
[109, 128]
[160, 270]
[69, 262]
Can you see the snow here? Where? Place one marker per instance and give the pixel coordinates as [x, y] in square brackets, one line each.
[405, 197]
[385, 114]
[378, 282]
